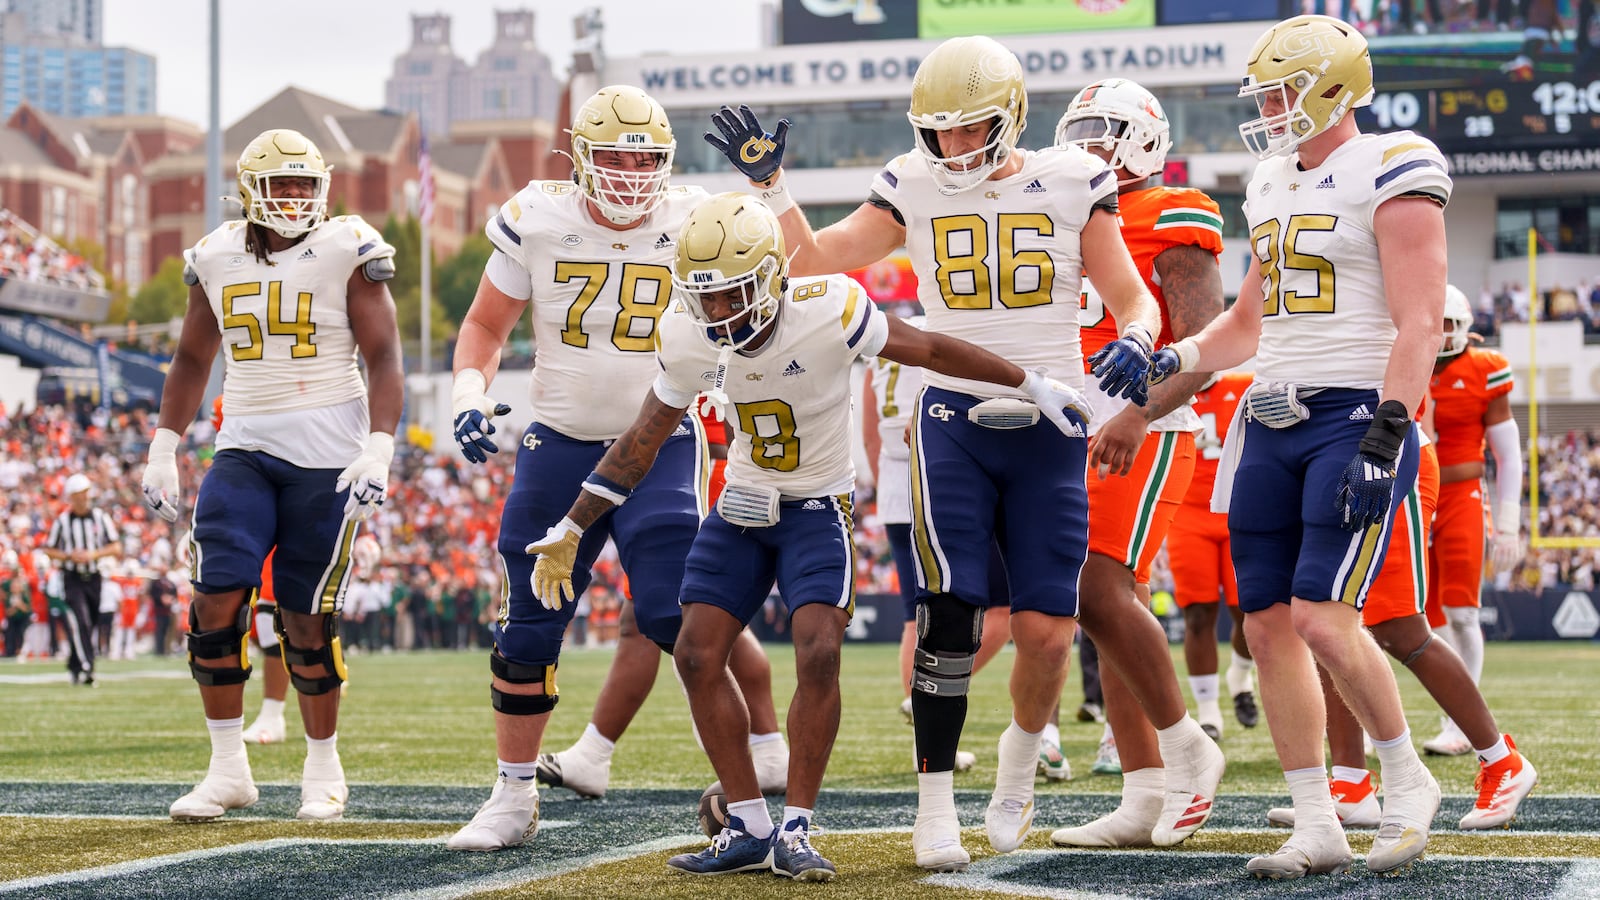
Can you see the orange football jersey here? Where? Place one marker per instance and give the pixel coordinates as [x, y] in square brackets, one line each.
[1461, 392]
[1215, 405]
[1152, 220]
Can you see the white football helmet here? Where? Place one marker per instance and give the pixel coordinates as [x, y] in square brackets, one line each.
[731, 241]
[623, 118]
[1457, 322]
[1120, 116]
[1324, 62]
[277, 154]
[964, 81]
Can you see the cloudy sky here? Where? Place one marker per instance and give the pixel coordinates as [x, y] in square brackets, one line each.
[345, 49]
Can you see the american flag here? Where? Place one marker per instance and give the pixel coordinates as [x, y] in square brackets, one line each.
[425, 190]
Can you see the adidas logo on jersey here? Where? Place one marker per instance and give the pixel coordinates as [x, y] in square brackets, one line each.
[1034, 187]
[794, 368]
[306, 255]
[1359, 413]
[813, 503]
[681, 430]
[1459, 385]
[663, 241]
[1326, 182]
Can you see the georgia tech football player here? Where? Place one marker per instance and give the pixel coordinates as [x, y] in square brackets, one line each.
[590, 259]
[1348, 234]
[785, 516]
[290, 297]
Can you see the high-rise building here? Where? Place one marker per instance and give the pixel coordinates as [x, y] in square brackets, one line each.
[74, 22]
[511, 79]
[52, 56]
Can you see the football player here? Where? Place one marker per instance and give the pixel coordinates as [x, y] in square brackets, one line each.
[1471, 391]
[1348, 234]
[1140, 457]
[998, 237]
[591, 258]
[291, 297]
[776, 357]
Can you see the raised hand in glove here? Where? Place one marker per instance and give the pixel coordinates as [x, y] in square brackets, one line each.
[1124, 365]
[368, 477]
[1055, 400]
[552, 572]
[1366, 486]
[756, 153]
[474, 411]
[160, 480]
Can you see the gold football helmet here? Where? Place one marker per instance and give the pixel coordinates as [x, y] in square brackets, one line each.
[964, 81]
[1120, 116]
[277, 154]
[1457, 322]
[731, 241]
[623, 118]
[1324, 62]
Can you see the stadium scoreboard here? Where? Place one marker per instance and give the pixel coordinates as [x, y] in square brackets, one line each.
[1533, 115]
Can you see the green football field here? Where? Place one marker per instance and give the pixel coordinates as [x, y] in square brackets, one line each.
[86, 776]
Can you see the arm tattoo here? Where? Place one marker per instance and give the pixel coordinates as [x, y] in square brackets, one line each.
[630, 457]
[1191, 282]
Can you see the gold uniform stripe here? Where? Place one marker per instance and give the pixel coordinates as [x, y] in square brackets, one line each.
[850, 302]
[848, 509]
[1363, 565]
[516, 209]
[927, 561]
[703, 463]
[1398, 149]
[330, 588]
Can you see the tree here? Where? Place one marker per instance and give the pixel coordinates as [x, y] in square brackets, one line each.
[456, 279]
[164, 297]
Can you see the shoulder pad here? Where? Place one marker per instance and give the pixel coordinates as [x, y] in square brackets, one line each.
[379, 269]
[558, 187]
[190, 276]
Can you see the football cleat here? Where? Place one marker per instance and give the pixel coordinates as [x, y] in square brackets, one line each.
[1191, 790]
[323, 800]
[1354, 802]
[1091, 712]
[1053, 766]
[1245, 709]
[936, 841]
[1213, 730]
[266, 730]
[1403, 831]
[1318, 851]
[771, 761]
[1449, 742]
[1501, 789]
[1129, 825]
[905, 709]
[575, 771]
[965, 760]
[1009, 816]
[1107, 760]
[794, 857]
[732, 850]
[509, 818]
[215, 795]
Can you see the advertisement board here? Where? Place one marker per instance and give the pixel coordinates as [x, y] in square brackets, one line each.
[957, 18]
[825, 21]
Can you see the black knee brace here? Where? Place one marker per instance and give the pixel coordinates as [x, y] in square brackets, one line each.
[1417, 653]
[233, 640]
[517, 673]
[948, 634]
[330, 655]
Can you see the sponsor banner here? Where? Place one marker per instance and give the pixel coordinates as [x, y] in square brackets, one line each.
[828, 21]
[821, 73]
[958, 18]
[889, 280]
[53, 300]
[1557, 614]
[879, 619]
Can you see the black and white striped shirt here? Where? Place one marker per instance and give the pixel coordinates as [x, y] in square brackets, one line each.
[90, 532]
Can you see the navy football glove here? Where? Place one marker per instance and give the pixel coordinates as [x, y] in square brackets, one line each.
[756, 153]
[1163, 365]
[472, 433]
[1123, 365]
[1366, 486]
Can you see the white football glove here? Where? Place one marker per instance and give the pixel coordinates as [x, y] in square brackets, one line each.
[552, 573]
[1055, 400]
[368, 477]
[160, 481]
[1506, 550]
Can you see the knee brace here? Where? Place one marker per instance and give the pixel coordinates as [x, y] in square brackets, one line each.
[330, 655]
[948, 634]
[517, 673]
[266, 631]
[1416, 654]
[233, 640]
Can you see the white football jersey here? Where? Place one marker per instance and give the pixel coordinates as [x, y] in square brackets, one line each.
[789, 404]
[999, 265]
[287, 345]
[597, 294]
[895, 386]
[1326, 321]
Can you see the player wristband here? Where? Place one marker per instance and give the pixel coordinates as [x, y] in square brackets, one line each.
[776, 196]
[606, 489]
[165, 443]
[1387, 433]
[1137, 332]
[1188, 354]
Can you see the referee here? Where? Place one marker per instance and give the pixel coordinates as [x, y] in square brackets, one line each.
[80, 537]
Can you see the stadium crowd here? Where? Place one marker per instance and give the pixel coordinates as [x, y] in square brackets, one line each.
[26, 254]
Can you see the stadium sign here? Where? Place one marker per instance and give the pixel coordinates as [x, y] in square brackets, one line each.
[820, 73]
[1526, 162]
[51, 300]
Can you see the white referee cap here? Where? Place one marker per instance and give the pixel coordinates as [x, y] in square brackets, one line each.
[77, 484]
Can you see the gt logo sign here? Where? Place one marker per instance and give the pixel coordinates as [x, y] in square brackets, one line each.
[756, 148]
[941, 412]
[863, 12]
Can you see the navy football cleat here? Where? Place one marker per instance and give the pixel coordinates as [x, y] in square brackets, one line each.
[732, 850]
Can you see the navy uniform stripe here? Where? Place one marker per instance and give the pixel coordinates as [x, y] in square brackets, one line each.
[365, 247]
[1095, 182]
[862, 328]
[515, 238]
[1399, 170]
[894, 181]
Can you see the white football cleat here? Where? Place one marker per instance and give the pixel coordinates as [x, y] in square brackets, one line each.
[266, 730]
[1107, 760]
[936, 841]
[215, 795]
[1009, 816]
[905, 709]
[1191, 791]
[771, 759]
[965, 760]
[1311, 851]
[578, 772]
[1354, 802]
[1053, 765]
[509, 818]
[1501, 789]
[1126, 826]
[322, 800]
[1448, 742]
[1403, 831]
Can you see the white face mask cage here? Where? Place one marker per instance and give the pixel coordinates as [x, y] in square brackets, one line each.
[624, 196]
[1277, 135]
[1457, 323]
[1106, 132]
[755, 311]
[289, 217]
[954, 174]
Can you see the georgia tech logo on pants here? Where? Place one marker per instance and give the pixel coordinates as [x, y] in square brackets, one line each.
[756, 148]
[941, 412]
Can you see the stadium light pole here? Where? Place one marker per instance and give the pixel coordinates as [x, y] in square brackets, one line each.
[213, 206]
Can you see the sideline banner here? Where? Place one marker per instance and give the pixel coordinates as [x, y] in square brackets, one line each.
[958, 18]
